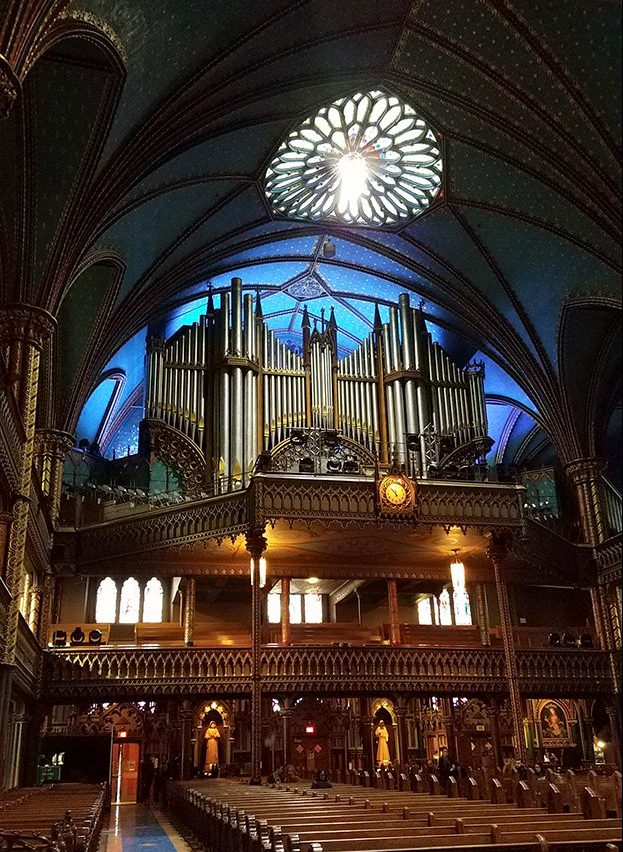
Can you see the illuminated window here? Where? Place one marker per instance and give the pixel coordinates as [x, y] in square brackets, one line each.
[462, 609]
[130, 602]
[274, 608]
[313, 608]
[424, 614]
[152, 603]
[106, 601]
[364, 159]
[296, 610]
[445, 612]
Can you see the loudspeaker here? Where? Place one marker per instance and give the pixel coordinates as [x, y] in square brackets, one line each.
[77, 636]
[59, 638]
[95, 636]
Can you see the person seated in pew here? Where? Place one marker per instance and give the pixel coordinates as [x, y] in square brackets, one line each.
[446, 767]
[321, 781]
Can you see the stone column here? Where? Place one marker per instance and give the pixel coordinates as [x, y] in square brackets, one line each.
[402, 711]
[23, 330]
[286, 630]
[189, 610]
[186, 720]
[614, 715]
[392, 601]
[51, 447]
[585, 474]
[286, 717]
[47, 603]
[493, 712]
[483, 614]
[497, 553]
[256, 545]
[367, 735]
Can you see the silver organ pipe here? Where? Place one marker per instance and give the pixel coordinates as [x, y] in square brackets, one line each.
[206, 381]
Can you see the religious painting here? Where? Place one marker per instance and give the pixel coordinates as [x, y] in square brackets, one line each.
[554, 725]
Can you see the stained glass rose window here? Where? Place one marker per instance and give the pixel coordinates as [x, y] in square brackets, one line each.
[366, 159]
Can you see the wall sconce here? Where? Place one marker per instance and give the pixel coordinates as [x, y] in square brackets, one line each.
[457, 572]
[262, 572]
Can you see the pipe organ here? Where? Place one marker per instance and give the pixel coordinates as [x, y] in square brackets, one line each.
[232, 387]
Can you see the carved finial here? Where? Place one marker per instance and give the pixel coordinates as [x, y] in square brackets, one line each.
[305, 323]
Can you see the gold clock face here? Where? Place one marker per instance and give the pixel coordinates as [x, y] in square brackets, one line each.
[396, 492]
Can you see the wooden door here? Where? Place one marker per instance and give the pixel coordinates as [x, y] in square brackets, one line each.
[125, 763]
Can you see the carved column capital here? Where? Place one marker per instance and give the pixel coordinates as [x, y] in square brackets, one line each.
[30, 323]
[256, 542]
[10, 87]
[497, 549]
[584, 470]
[53, 442]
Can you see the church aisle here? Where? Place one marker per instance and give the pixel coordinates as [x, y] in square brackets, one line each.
[137, 828]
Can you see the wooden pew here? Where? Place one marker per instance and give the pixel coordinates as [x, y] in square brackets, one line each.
[354, 820]
[326, 633]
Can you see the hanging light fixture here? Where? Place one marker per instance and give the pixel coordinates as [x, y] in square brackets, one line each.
[457, 571]
[262, 572]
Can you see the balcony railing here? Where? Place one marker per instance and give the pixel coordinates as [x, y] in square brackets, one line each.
[114, 672]
[329, 500]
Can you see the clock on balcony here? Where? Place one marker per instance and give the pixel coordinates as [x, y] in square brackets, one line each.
[396, 494]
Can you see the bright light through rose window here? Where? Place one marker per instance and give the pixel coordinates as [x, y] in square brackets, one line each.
[368, 159]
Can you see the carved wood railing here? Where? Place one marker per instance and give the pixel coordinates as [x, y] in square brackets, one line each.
[561, 669]
[333, 501]
[124, 672]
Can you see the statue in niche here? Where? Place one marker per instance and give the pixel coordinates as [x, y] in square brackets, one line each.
[381, 736]
[211, 736]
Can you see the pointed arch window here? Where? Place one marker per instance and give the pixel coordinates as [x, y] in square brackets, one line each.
[445, 608]
[130, 605]
[424, 612]
[462, 608]
[153, 599]
[106, 601]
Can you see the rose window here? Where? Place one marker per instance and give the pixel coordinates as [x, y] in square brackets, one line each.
[368, 159]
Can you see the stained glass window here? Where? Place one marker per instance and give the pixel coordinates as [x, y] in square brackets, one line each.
[130, 602]
[445, 612]
[153, 599]
[462, 608]
[106, 601]
[365, 159]
[424, 614]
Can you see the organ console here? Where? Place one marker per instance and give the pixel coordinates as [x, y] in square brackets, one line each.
[231, 386]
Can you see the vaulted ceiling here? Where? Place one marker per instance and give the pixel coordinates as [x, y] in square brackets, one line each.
[133, 158]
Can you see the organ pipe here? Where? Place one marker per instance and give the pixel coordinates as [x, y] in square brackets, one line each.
[234, 388]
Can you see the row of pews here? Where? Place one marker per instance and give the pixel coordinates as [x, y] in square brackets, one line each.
[59, 818]
[229, 816]
[569, 791]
